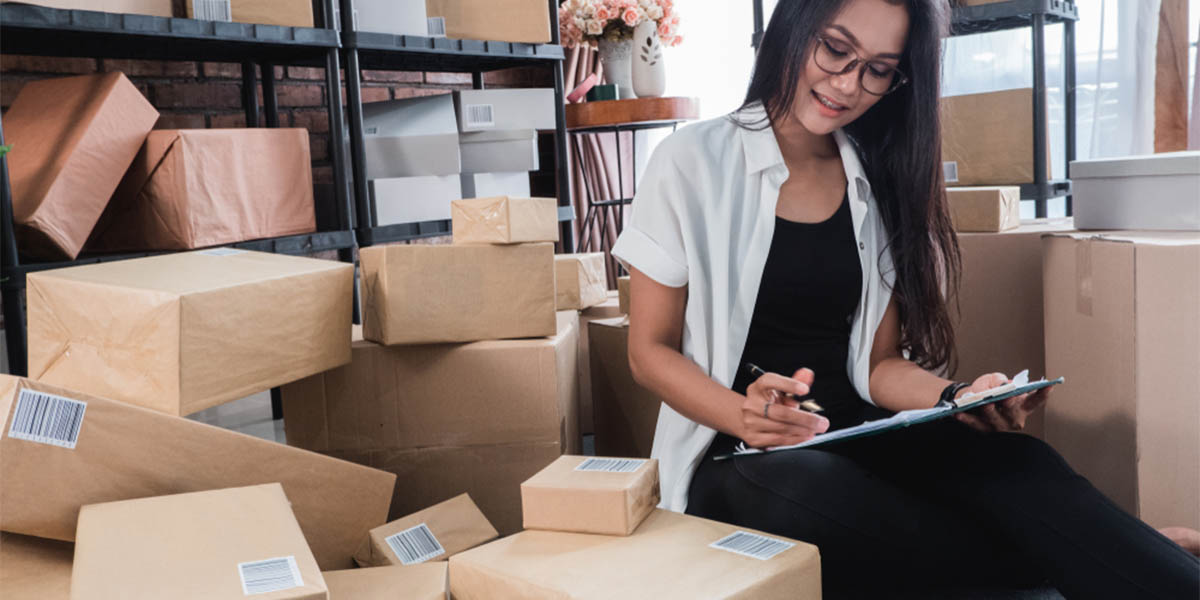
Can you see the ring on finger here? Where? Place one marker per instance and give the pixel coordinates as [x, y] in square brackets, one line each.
[766, 407]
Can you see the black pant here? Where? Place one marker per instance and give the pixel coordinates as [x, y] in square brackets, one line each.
[940, 506]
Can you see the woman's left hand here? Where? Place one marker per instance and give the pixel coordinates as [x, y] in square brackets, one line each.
[1005, 415]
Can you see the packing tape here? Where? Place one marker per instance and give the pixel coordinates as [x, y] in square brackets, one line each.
[1083, 277]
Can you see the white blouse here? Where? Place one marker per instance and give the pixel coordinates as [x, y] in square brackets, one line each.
[704, 216]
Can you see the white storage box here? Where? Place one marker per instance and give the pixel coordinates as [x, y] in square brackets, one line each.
[414, 199]
[499, 151]
[1156, 191]
[486, 110]
[487, 185]
[411, 137]
[397, 17]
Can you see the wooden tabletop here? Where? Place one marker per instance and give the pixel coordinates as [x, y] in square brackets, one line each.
[607, 113]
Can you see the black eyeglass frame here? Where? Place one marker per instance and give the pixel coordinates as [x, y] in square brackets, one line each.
[898, 81]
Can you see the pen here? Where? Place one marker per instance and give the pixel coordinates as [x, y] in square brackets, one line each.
[809, 405]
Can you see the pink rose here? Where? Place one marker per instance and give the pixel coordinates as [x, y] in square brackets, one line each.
[603, 14]
[595, 28]
[664, 31]
[676, 40]
[675, 19]
[630, 16]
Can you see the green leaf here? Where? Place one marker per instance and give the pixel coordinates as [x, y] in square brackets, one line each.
[5, 148]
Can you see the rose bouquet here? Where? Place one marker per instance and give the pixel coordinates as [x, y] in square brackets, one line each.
[588, 21]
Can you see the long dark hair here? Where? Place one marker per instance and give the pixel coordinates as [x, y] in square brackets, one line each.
[899, 142]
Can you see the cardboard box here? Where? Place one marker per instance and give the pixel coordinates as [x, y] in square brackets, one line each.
[623, 294]
[1123, 328]
[397, 17]
[625, 414]
[179, 333]
[998, 326]
[433, 534]
[986, 209]
[987, 139]
[670, 556]
[212, 544]
[419, 294]
[499, 151]
[143, 453]
[35, 568]
[414, 199]
[289, 13]
[579, 280]
[192, 188]
[487, 185]
[426, 581]
[498, 109]
[504, 220]
[72, 139]
[155, 8]
[511, 21]
[588, 494]
[411, 137]
[605, 310]
[1155, 191]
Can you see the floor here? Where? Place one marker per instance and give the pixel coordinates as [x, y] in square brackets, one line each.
[250, 415]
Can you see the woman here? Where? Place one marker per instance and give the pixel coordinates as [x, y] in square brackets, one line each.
[807, 233]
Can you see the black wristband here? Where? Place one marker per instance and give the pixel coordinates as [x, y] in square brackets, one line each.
[952, 390]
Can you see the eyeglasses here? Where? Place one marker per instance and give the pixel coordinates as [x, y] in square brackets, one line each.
[838, 58]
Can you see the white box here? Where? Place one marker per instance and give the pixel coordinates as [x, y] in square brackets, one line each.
[499, 151]
[487, 110]
[411, 137]
[487, 185]
[1155, 191]
[414, 199]
[397, 17]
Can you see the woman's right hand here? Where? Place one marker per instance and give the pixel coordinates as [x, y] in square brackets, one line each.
[785, 423]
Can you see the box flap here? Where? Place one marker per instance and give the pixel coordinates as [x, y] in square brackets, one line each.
[1165, 163]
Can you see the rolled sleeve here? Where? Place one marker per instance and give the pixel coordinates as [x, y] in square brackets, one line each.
[653, 239]
[638, 250]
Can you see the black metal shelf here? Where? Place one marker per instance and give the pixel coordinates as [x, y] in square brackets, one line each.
[1012, 14]
[415, 53]
[1056, 188]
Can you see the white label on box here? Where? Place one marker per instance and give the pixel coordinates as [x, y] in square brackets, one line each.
[751, 544]
[47, 419]
[270, 575]
[415, 545]
[222, 252]
[950, 169]
[371, 131]
[480, 115]
[212, 10]
[611, 465]
[437, 26]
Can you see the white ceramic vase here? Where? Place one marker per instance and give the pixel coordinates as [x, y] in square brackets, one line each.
[649, 71]
[615, 56]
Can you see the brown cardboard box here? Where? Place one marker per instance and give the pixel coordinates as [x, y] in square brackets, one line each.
[419, 294]
[213, 544]
[985, 209]
[426, 581]
[989, 138]
[605, 310]
[291, 13]
[504, 220]
[626, 414]
[510, 21]
[669, 556]
[435, 533]
[998, 326]
[588, 494]
[156, 8]
[1123, 328]
[579, 280]
[191, 188]
[123, 452]
[72, 138]
[183, 332]
[623, 294]
[35, 568]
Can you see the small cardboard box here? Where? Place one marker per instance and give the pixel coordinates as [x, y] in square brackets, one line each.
[426, 581]
[1123, 328]
[487, 110]
[212, 544]
[411, 137]
[433, 534]
[192, 188]
[625, 414]
[504, 220]
[154, 8]
[670, 556]
[499, 151]
[589, 494]
[511, 21]
[1155, 191]
[623, 294]
[984, 209]
[35, 568]
[418, 199]
[514, 184]
[987, 139]
[605, 310]
[289, 13]
[420, 294]
[179, 333]
[144, 453]
[579, 280]
[72, 139]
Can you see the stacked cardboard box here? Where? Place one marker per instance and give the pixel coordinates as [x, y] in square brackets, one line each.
[625, 413]
[35, 568]
[435, 533]
[605, 310]
[427, 581]
[511, 21]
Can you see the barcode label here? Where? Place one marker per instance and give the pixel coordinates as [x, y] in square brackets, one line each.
[270, 575]
[47, 419]
[437, 26]
[480, 115]
[751, 544]
[212, 10]
[371, 131]
[222, 252]
[415, 545]
[950, 169]
[611, 465]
